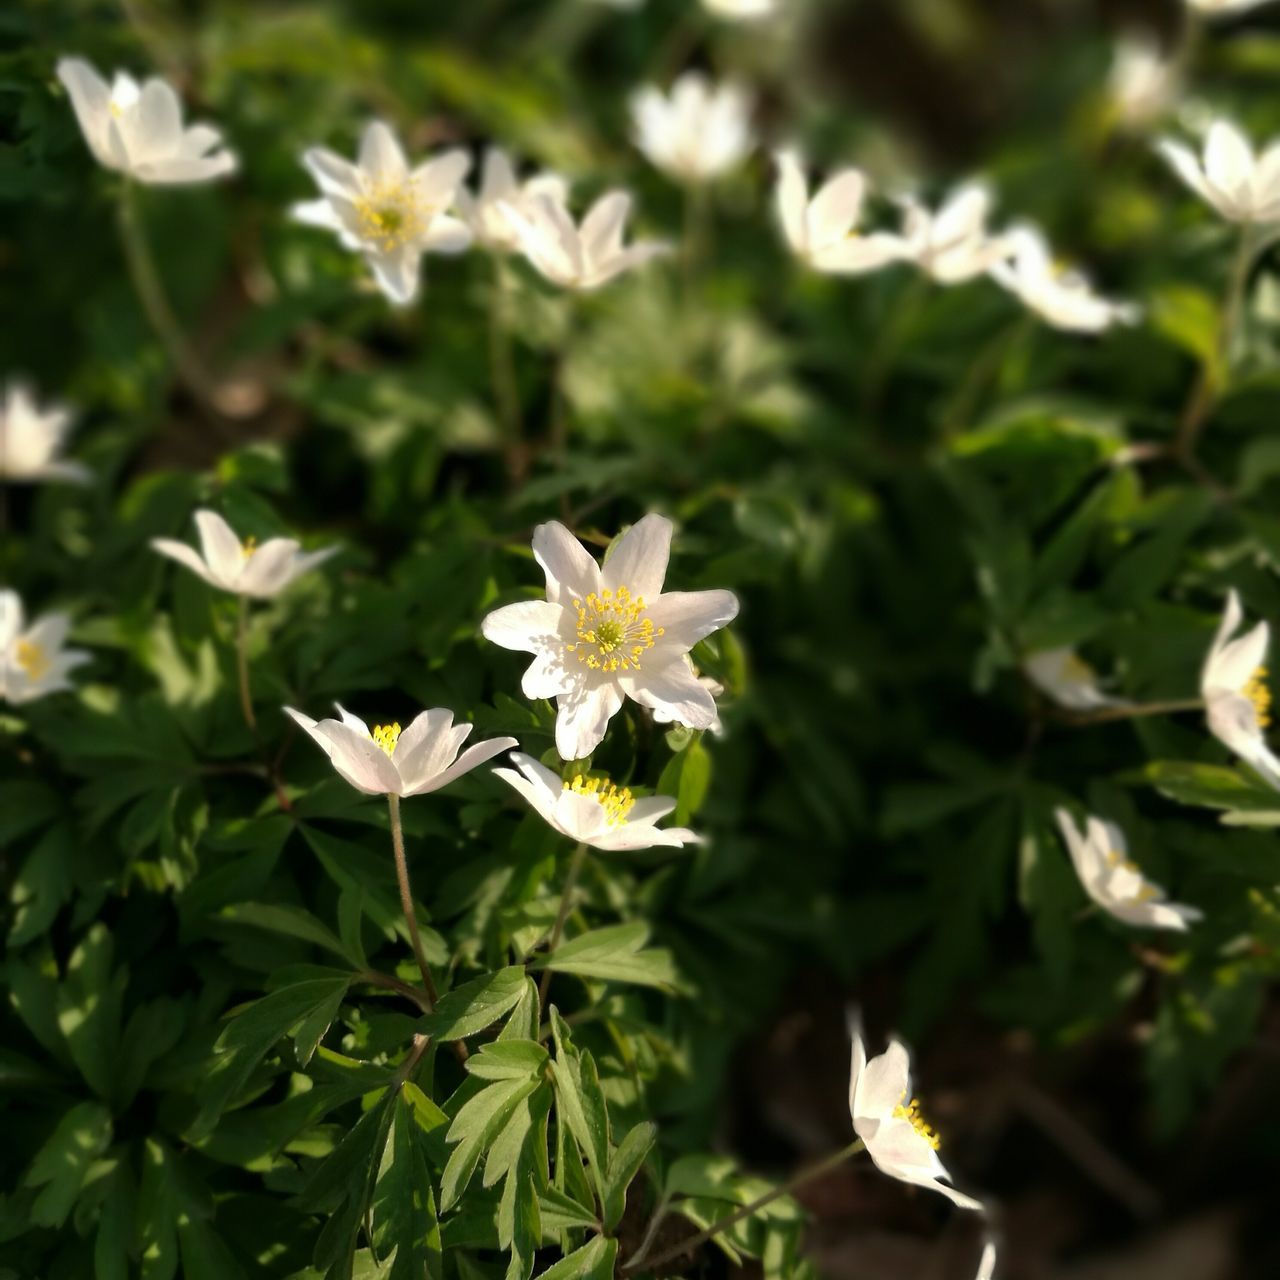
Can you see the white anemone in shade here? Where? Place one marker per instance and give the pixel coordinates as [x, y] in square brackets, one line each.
[605, 633]
[1143, 82]
[696, 132]
[1101, 859]
[1241, 186]
[579, 257]
[887, 1119]
[31, 439]
[953, 244]
[742, 10]
[593, 810]
[33, 661]
[484, 212]
[387, 761]
[138, 130]
[1216, 7]
[822, 230]
[244, 568]
[1062, 675]
[388, 212]
[1060, 296]
[1233, 683]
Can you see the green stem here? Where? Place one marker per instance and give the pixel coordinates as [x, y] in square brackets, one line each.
[502, 372]
[242, 662]
[566, 902]
[697, 208]
[747, 1210]
[1104, 714]
[406, 901]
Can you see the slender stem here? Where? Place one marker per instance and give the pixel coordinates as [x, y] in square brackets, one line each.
[696, 210]
[566, 901]
[242, 662]
[406, 901]
[155, 302]
[372, 978]
[651, 1231]
[502, 372]
[747, 1210]
[1136, 712]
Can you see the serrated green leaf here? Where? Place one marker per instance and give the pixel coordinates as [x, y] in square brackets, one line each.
[475, 1005]
[624, 1163]
[615, 953]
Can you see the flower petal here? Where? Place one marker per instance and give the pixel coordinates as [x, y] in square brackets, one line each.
[186, 556]
[529, 626]
[674, 691]
[639, 561]
[689, 616]
[584, 715]
[382, 162]
[474, 756]
[222, 550]
[570, 571]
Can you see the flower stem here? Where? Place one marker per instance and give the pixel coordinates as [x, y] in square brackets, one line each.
[697, 211]
[242, 662]
[155, 302]
[747, 1210]
[406, 900]
[1104, 714]
[502, 372]
[566, 901]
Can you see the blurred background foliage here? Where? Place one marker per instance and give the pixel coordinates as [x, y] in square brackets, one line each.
[909, 487]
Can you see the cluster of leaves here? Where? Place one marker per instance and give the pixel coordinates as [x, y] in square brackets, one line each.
[212, 1059]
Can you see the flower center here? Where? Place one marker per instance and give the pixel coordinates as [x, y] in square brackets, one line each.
[390, 217]
[910, 1112]
[1257, 692]
[248, 547]
[1077, 670]
[1142, 890]
[32, 659]
[612, 631]
[614, 800]
[387, 735]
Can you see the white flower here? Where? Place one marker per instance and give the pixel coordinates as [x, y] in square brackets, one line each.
[243, 568]
[1214, 7]
[888, 1119]
[823, 230]
[31, 439]
[987, 1263]
[582, 258]
[593, 810]
[138, 130]
[1115, 883]
[381, 208]
[697, 132]
[1062, 675]
[1061, 297]
[1143, 81]
[424, 757]
[742, 10]
[32, 660]
[1233, 684]
[484, 212]
[953, 245]
[1242, 187]
[605, 634]
[663, 715]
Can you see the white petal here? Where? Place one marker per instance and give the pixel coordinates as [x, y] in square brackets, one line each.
[571, 572]
[689, 616]
[639, 561]
[153, 128]
[837, 207]
[186, 556]
[90, 99]
[884, 1084]
[268, 569]
[792, 198]
[471, 758]
[530, 626]
[438, 179]
[603, 226]
[381, 160]
[548, 675]
[333, 174]
[11, 618]
[673, 690]
[583, 716]
[358, 759]
[222, 550]
[397, 273]
[1228, 161]
[447, 235]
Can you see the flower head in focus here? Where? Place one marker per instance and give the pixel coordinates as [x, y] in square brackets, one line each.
[1101, 859]
[953, 244]
[698, 131]
[33, 662]
[31, 439]
[138, 130]
[1143, 81]
[593, 810]
[605, 633]
[887, 1119]
[243, 568]
[822, 230]
[1064, 677]
[581, 258]
[388, 761]
[388, 212]
[742, 10]
[484, 212]
[1233, 683]
[1061, 297]
[1241, 186]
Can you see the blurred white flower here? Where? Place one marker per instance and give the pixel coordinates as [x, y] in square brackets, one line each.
[987, 1263]
[1143, 83]
[953, 244]
[581, 258]
[422, 758]
[383, 209]
[887, 1119]
[1063, 676]
[742, 10]
[1061, 297]
[137, 129]
[823, 230]
[484, 212]
[1242, 187]
[33, 662]
[243, 568]
[593, 810]
[1213, 7]
[608, 633]
[698, 131]
[1116, 884]
[31, 439]
[1237, 700]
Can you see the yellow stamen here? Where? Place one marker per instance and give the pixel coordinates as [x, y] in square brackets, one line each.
[910, 1112]
[1257, 692]
[387, 735]
[614, 800]
[248, 547]
[1077, 670]
[1146, 891]
[33, 659]
[612, 631]
[389, 217]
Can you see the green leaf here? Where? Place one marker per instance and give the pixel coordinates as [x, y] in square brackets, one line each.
[562, 1213]
[1211, 786]
[616, 954]
[288, 920]
[474, 1129]
[594, 1261]
[508, 1060]
[42, 885]
[475, 1005]
[62, 1163]
[624, 1163]
[581, 1102]
[89, 1004]
[687, 779]
[525, 1017]
[402, 1209]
